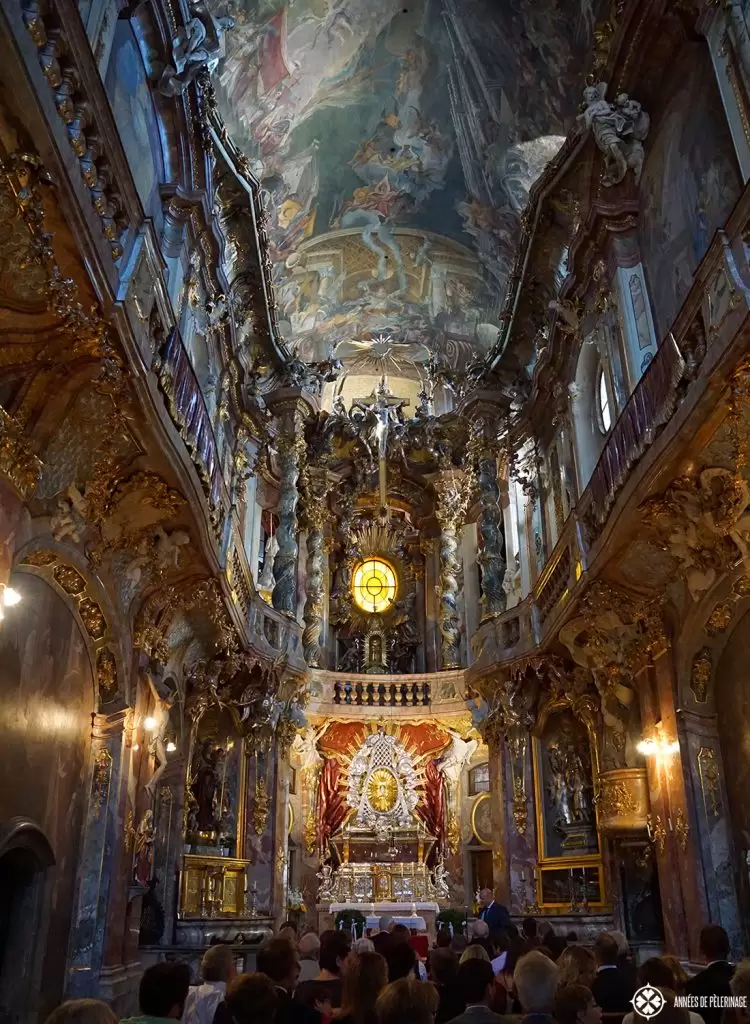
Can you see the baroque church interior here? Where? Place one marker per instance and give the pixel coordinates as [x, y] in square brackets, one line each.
[374, 486]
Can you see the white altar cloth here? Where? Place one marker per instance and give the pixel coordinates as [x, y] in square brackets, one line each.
[402, 913]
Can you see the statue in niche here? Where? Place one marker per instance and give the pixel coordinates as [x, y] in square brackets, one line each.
[619, 130]
[143, 849]
[206, 787]
[265, 582]
[440, 879]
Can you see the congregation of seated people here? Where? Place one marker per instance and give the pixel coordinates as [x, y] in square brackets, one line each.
[530, 975]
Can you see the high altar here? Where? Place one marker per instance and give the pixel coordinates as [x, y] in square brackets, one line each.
[383, 822]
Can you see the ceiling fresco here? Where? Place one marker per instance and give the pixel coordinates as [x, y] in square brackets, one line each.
[396, 141]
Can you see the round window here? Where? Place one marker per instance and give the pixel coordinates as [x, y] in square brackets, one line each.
[374, 585]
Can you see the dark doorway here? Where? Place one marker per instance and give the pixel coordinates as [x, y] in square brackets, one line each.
[25, 857]
[481, 870]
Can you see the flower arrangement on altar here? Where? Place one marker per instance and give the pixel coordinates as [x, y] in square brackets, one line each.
[295, 902]
[353, 921]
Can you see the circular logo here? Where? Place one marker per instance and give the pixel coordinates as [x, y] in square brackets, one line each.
[648, 1001]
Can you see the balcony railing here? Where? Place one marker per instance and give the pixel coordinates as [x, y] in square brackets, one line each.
[648, 408]
[381, 695]
[188, 410]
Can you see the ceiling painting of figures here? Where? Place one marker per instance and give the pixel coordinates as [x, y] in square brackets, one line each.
[395, 142]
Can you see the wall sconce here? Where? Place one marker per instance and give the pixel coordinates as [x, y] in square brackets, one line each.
[10, 597]
[149, 724]
[658, 748]
[171, 747]
[136, 747]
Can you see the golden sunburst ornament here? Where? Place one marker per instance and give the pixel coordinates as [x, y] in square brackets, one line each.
[382, 790]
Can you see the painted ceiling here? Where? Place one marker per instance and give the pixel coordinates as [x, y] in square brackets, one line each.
[396, 141]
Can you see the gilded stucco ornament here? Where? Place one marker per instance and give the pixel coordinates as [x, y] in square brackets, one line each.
[701, 674]
[18, 464]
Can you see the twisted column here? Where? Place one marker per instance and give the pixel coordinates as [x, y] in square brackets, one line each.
[453, 494]
[491, 557]
[284, 596]
[316, 515]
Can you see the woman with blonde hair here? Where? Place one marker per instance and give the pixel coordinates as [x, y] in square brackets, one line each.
[364, 976]
[474, 952]
[679, 972]
[577, 966]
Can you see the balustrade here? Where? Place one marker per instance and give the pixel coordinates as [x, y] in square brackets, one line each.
[374, 694]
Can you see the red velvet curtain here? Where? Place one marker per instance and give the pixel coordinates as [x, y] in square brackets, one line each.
[431, 808]
[331, 804]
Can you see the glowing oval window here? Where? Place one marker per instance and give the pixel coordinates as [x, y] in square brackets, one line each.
[374, 585]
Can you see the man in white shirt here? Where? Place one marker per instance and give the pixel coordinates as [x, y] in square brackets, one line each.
[217, 970]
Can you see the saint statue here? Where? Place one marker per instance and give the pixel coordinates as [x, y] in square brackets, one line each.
[143, 849]
[206, 787]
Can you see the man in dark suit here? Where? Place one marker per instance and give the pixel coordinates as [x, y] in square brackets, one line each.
[476, 983]
[612, 987]
[494, 914]
[714, 979]
[278, 961]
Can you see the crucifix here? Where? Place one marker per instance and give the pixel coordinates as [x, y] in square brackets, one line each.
[381, 411]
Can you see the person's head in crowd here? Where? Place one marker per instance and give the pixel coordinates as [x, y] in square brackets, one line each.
[82, 1011]
[474, 952]
[713, 943]
[443, 938]
[678, 971]
[288, 931]
[544, 930]
[334, 949]
[363, 945]
[163, 990]
[318, 997]
[401, 960]
[278, 960]
[479, 930]
[459, 943]
[407, 1001]
[385, 923]
[218, 964]
[529, 928]
[400, 933]
[656, 973]
[309, 946]
[606, 950]
[536, 978]
[486, 897]
[442, 965]
[572, 936]
[577, 966]
[623, 946]
[556, 944]
[252, 999]
[574, 1004]
[739, 986]
[365, 975]
[476, 981]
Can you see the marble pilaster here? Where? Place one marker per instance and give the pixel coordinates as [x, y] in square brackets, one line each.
[290, 450]
[103, 838]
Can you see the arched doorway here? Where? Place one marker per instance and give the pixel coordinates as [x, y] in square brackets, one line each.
[25, 859]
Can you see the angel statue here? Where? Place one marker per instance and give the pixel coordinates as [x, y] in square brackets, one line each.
[619, 130]
[440, 879]
[325, 890]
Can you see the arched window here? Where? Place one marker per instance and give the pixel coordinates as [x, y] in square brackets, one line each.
[479, 779]
[603, 407]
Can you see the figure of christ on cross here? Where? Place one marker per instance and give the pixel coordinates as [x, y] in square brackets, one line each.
[381, 411]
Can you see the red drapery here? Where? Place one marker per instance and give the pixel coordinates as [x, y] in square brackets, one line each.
[431, 808]
[331, 805]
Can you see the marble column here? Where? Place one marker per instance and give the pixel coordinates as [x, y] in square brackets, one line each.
[290, 449]
[316, 517]
[491, 554]
[103, 839]
[453, 490]
[280, 885]
[259, 851]
[500, 874]
[674, 840]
